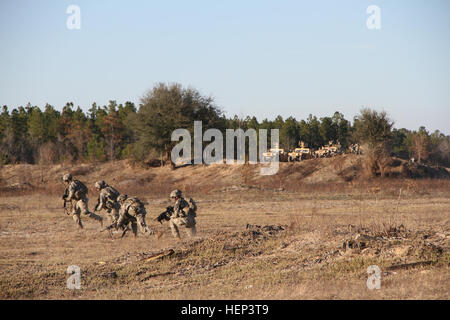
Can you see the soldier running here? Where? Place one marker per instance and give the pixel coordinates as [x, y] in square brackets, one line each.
[76, 193]
[107, 199]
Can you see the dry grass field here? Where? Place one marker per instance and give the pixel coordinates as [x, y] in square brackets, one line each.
[304, 233]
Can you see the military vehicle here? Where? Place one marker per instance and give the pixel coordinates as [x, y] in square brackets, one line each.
[328, 151]
[299, 154]
[302, 153]
[273, 152]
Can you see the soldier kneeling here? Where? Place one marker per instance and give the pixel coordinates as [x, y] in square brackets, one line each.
[183, 215]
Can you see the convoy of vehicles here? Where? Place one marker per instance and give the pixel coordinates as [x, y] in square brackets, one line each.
[305, 153]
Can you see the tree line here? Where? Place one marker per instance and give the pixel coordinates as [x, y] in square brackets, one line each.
[123, 131]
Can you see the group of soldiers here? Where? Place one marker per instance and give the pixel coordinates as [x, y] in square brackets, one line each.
[125, 212]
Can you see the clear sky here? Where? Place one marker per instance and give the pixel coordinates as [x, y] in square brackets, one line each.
[260, 57]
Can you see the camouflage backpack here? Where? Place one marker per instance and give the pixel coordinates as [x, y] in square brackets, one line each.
[112, 193]
[136, 204]
[80, 190]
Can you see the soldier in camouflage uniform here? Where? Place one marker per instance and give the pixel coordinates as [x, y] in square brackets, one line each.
[76, 193]
[183, 215]
[107, 199]
[132, 211]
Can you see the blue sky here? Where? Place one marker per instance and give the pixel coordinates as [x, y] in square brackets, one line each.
[260, 58]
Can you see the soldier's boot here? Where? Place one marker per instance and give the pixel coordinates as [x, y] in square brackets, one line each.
[149, 230]
[146, 230]
[77, 219]
[143, 226]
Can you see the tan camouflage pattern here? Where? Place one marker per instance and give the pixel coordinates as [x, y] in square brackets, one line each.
[133, 212]
[183, 217]
[106, 201]
[74, 190]
[81, 207]
[79, 203]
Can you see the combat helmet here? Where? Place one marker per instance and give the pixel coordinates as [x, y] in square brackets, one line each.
[175, 193]
[67, 177]
[100, 184]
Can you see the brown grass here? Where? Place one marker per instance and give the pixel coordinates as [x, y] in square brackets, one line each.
[408, 234]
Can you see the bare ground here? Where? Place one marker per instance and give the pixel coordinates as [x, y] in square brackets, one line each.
[258, 238]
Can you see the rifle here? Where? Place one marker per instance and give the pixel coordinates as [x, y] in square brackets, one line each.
[165, 215]
[114, 224]
[66, 194]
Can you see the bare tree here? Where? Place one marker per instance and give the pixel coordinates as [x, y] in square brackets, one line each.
[420, 146]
